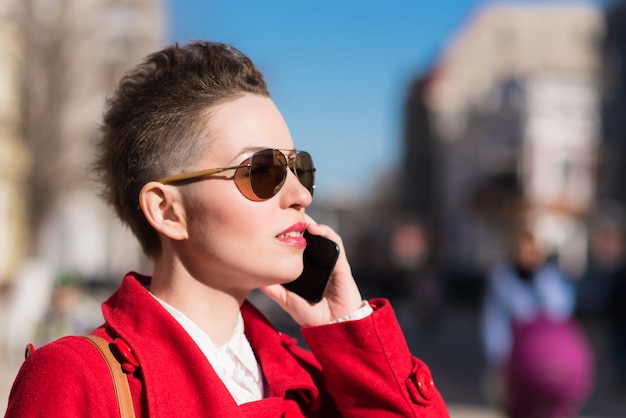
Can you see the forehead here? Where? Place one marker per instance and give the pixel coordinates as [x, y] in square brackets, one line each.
[246, 124]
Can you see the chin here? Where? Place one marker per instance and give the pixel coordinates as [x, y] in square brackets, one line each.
[285, 271]
[287, 278]
[278, 277]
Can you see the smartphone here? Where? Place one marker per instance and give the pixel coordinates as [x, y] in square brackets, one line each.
[320, 257]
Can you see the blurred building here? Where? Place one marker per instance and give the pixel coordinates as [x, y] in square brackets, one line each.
[608, 220]
[62, 59]
[419, 184]
[59, 61]
[14, 161]
[513, 106]
[613, 169]
[419, 197]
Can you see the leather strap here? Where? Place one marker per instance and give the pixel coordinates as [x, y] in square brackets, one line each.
[120, 382]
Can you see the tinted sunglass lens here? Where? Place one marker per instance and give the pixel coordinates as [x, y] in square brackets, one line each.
[267, 173]
[305, 170]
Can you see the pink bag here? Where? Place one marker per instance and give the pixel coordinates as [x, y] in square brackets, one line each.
[551, 371]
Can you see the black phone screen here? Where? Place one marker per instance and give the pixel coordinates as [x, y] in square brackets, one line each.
[320, 256]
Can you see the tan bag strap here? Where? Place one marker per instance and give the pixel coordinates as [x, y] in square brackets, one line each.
[120, 382]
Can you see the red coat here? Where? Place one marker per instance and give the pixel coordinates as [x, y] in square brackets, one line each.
[354, 369]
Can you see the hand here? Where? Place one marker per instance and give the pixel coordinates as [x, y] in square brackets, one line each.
[342, 295]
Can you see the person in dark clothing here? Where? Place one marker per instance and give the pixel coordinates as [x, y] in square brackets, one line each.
[616, 313]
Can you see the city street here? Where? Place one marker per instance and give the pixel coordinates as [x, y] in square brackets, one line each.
[453, 352]
[450, 345]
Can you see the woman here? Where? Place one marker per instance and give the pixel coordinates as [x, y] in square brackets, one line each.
[536, 352]
[198, 162]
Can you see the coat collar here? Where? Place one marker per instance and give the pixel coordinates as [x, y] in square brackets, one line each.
[170, 360]
[283, 373]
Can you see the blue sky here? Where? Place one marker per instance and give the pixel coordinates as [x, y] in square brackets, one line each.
[339, 70]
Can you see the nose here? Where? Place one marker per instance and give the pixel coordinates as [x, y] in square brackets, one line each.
[293, 193]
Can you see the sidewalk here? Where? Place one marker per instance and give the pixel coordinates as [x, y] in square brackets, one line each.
[8, 371]
[452, 349]
[466, 411]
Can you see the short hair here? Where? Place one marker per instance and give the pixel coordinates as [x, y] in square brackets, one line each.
[155, 122]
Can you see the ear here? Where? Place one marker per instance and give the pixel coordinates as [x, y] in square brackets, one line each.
[162, 206]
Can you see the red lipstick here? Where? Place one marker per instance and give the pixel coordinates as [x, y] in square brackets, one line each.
[293, 235]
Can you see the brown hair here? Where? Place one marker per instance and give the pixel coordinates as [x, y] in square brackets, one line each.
[155, 123]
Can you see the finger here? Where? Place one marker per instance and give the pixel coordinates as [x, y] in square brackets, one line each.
[277, 293]
[283, 297]
[325, 231]
[298, 308]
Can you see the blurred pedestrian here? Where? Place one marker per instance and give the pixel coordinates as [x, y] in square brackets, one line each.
[616, 310]
[197, 160]
[72, 311]
[535, 351]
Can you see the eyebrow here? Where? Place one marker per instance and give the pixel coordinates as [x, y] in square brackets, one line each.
[244, 153]
[251, 150]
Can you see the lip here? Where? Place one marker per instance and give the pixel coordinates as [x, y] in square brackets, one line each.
[294, 241]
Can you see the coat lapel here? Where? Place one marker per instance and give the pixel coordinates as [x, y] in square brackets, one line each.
[178, 379]
[285, 374]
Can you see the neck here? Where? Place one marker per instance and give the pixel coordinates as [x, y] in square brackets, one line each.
[213, 310]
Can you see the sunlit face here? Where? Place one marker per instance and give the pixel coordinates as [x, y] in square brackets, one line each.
[235, 243]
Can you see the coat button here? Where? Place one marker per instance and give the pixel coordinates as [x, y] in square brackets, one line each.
[425, 383]
[127, 355]
[420, 385]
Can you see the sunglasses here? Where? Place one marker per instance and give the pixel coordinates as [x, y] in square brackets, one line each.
[262, 175]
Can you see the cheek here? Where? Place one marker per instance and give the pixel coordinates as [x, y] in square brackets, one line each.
[235, 235]
[226, 223]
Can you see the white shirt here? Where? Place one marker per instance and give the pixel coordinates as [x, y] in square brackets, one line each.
[235, 362]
